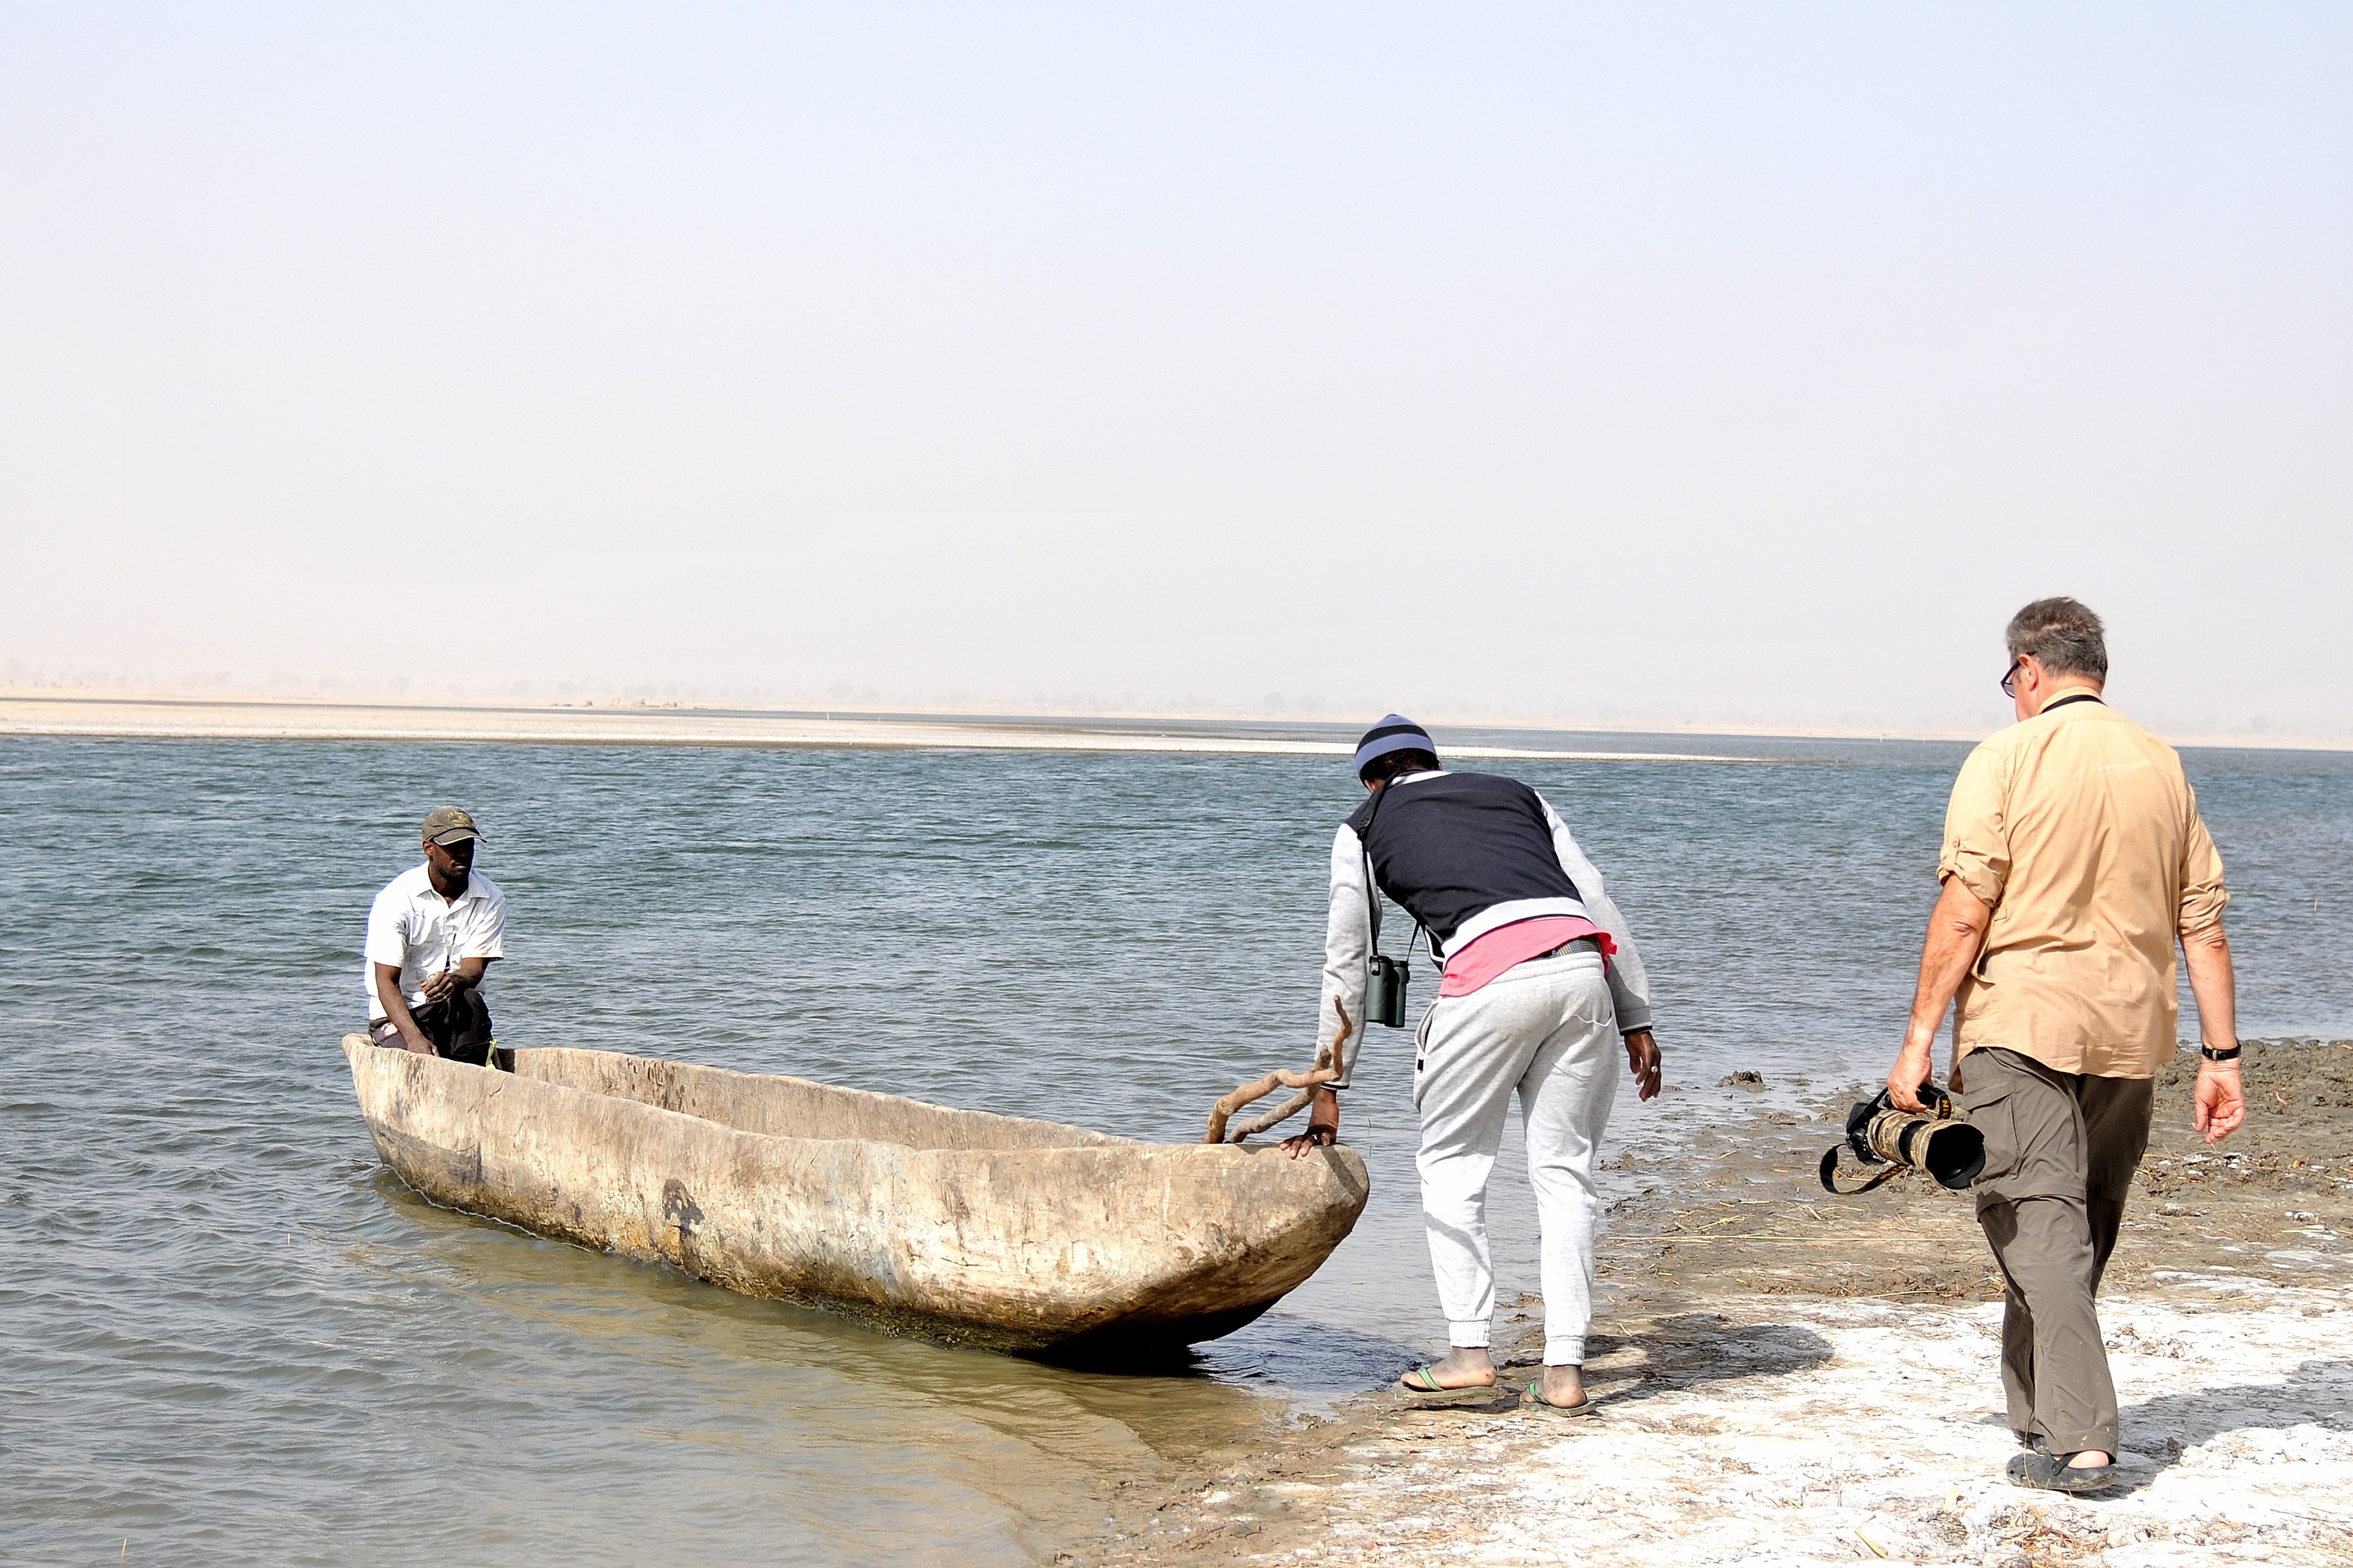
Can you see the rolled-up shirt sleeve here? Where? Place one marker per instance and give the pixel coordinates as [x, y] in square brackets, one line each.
[486, 932]
[1976, 829]
[2203, 897]
[1347, 950]
[1630, 984]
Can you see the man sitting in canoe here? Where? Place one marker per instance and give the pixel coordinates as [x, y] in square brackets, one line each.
[431, 933]
[1541, 982]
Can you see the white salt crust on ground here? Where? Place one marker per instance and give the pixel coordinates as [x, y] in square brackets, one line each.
[1868, 1431]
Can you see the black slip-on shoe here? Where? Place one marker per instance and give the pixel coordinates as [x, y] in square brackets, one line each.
[2050, 1472]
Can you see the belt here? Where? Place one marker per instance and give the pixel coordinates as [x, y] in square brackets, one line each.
[1574, 945]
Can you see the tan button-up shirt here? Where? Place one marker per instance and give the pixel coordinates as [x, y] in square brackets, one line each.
[2077, 826]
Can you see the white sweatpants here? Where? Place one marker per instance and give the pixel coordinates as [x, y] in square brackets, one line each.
[1547, 1029]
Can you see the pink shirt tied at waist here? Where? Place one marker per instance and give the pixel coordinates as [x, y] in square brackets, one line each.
[1487, 956]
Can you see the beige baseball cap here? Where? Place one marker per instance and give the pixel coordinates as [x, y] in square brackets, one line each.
[449, 825]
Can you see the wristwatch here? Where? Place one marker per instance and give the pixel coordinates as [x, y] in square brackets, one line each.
[2211, 1055]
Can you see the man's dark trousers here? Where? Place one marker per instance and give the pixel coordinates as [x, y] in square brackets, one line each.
[459, 1026]
[2060, 1150]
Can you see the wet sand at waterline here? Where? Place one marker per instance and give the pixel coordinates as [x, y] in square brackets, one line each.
[1786, 1378]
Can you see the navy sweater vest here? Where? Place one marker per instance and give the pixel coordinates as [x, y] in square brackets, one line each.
[1448, 847]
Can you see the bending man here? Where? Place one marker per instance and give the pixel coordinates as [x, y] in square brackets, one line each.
[2074, 859]
[1541, 983]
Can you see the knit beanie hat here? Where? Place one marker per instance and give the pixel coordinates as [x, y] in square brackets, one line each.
[1394, 733]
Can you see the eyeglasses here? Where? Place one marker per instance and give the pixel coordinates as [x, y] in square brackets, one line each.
[2010, 681]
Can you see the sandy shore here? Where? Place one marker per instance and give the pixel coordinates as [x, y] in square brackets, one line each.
[1789, 1378]
[261, 719]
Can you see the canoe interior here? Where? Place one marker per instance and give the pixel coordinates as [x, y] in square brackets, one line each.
[778, 1107]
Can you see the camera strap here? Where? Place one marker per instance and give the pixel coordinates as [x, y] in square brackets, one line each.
[1372, 887]
[1373, 907]
[1829, 1173]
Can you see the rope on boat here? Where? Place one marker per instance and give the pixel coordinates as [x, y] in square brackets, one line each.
[1326, 1068]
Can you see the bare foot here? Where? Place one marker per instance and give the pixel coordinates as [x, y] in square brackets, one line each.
[1562, 1385]
[1463, 1368]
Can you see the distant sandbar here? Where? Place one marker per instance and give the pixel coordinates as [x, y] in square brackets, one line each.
[264, 719]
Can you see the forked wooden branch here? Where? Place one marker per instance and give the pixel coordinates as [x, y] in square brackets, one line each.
[1326, 1068]
[1288, 1108]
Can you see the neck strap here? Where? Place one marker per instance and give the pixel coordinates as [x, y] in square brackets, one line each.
[2070, 697]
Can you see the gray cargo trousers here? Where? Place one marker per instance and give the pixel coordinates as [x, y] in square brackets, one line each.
[2060, 1150]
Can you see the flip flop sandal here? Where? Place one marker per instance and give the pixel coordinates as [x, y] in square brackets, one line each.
[1428, 1393]
[1534, 1399]
[2047, 1472]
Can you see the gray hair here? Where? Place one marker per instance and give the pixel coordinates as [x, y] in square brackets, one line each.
[2063, 635]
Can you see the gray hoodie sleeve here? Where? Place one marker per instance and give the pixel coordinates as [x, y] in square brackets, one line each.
[1347, 950]
[1629, 987]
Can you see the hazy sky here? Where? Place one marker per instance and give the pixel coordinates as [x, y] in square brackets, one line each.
[1744, 363]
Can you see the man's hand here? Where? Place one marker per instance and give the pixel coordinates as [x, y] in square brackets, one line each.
[1642, 1061]
[2219, 1102]
[396, 1009]
[465, 972]
[1322, 1124]
[1914, 1064]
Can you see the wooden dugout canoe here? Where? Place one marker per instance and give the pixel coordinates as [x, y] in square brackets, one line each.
[1000, 1231]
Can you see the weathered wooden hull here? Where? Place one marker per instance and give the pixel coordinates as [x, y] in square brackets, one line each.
[1018, 1235]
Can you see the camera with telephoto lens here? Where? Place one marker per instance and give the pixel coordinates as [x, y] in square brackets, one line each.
[1385, 991]
[1938, 1141]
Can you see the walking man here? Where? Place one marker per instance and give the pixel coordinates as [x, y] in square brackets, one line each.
[2073, 861]
[431, 934]
[1541, 984]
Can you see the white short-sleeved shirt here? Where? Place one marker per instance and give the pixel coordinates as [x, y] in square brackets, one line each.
[413, 926]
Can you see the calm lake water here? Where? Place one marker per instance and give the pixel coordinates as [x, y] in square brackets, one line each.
[226, 1335]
